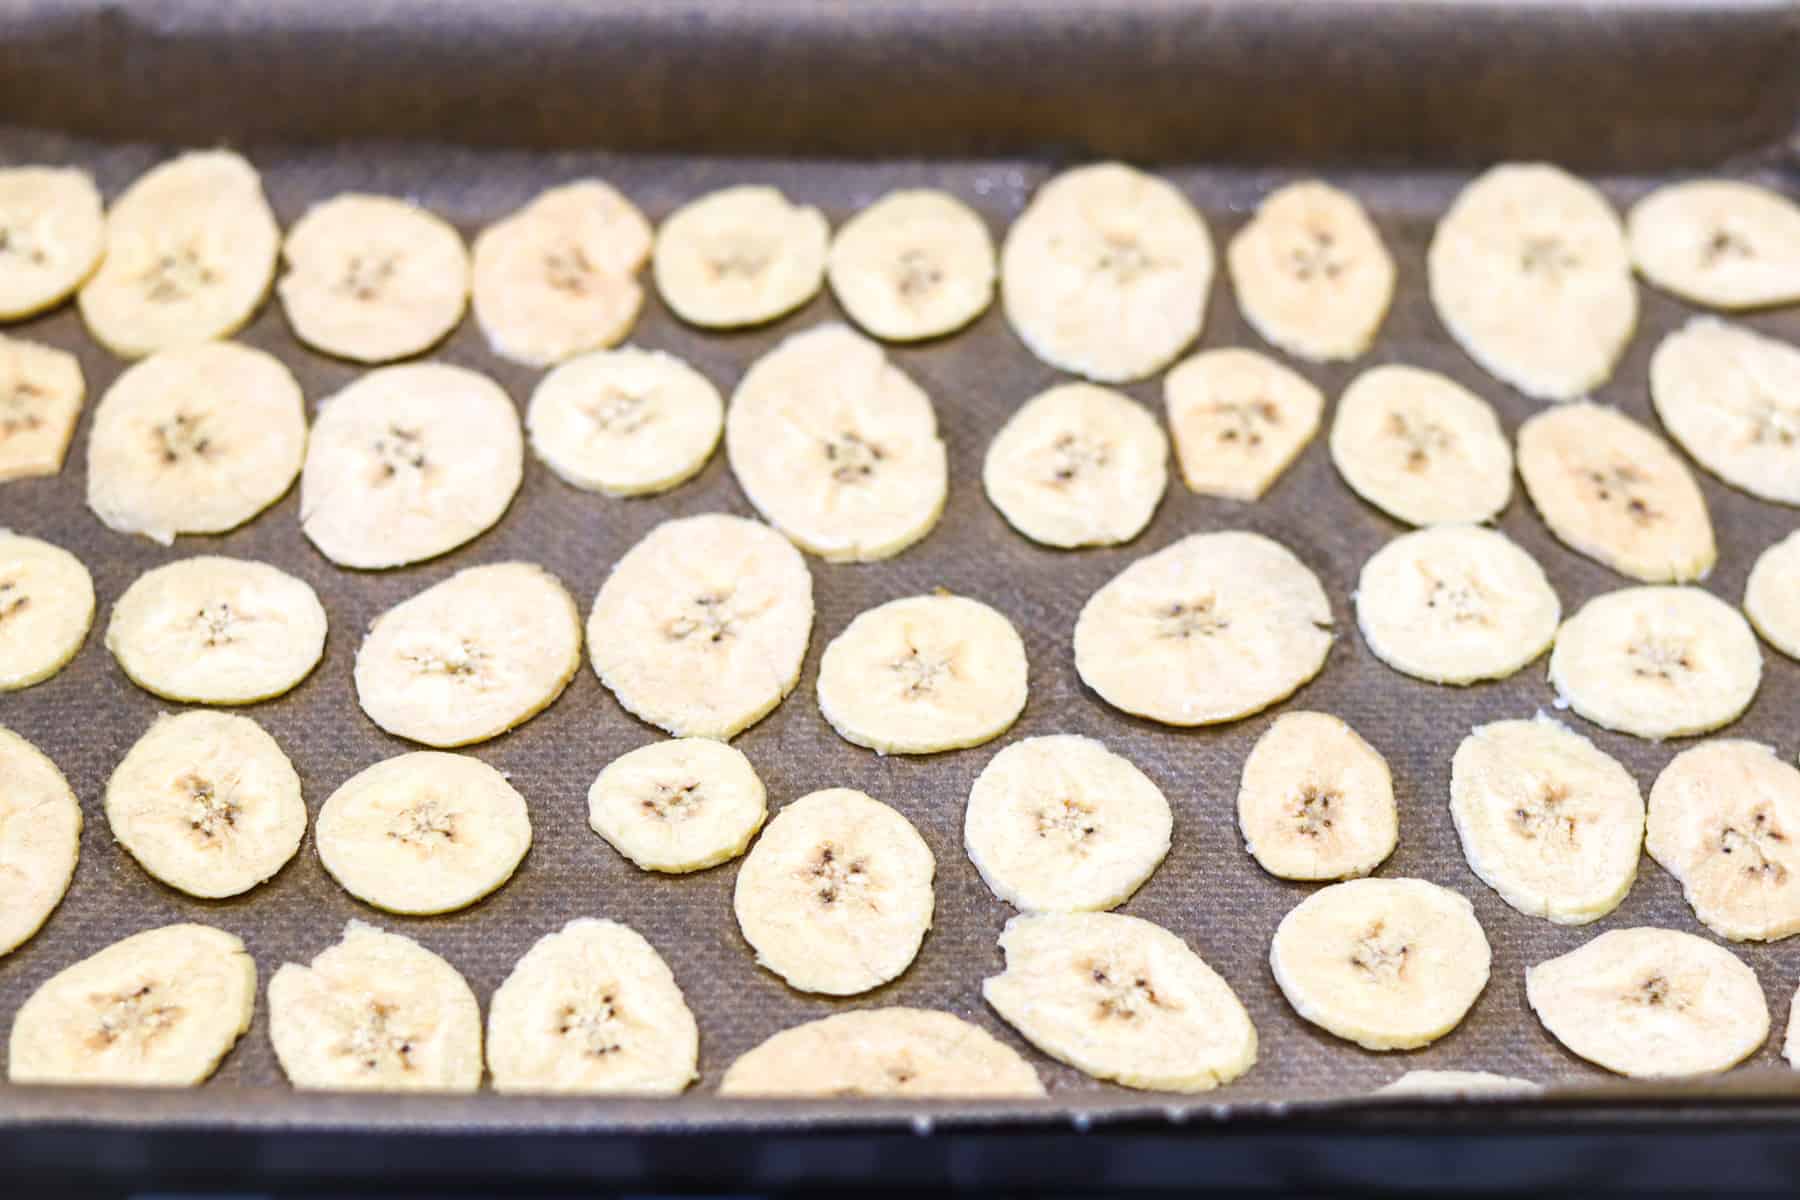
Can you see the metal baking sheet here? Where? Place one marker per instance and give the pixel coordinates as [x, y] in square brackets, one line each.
[1209, 890]
[1600, 84]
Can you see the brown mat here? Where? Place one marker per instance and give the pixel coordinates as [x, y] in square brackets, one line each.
[1208, 890]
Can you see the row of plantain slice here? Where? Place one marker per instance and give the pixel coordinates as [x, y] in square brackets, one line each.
[1388, 964]
[189, 251]
[841, 452]
[1107, 271]
[1219, 626]
[701, 629]
[589, 1008]
[208, 803]
[1105, 274]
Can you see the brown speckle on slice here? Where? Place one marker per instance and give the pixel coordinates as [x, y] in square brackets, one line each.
[595, 1025]
[853, 458]
[834, 878]
[177, 274]
[138, 1015]
[424, 825]
[1750, 845]
[367, 275]
[1379, 954]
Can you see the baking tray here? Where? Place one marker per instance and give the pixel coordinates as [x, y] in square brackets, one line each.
[117, 88]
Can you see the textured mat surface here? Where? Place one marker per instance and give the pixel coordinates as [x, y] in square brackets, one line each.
[1208, 890]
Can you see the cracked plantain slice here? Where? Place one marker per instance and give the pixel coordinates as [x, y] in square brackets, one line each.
[41, 393]
[1612, 490]
[1316, 801]
[158, 1009]
[1731, 398]
[198, 439]
[1651, 1003]
[1421, 447]
[592, 1009]
[408, 463]
[373, 278]
[213, 630]
[1121, 999]
[1547, 819]
[1455, 604]
[680, 805]
[1390, 964]
[1106, 273]
[375, 1012]
[1210, 629]
[46, 608]
[1062, 824]
[423, 833]
[1656, 662]
[1311, 273]
[1457, 1085]
[918, 263]
[1718, 242]
[1239, 419]
[559, 277]
[906, 1053]
[467, 659]
[40, 839]
[835, 897]
[740, 256]
[836, 447]
[625, 422]
[924, 674]
[1725, 822]
[1772, 595]
[52, 231]
[702, 626]
[207, 803]
[1530, 274]
[190, 253]
[1077, 465]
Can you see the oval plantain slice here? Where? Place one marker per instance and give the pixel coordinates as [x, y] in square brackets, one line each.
[1121, 999]
[1651, 1003]
[190, 253]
